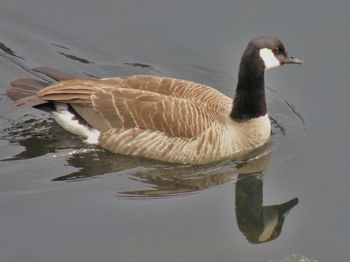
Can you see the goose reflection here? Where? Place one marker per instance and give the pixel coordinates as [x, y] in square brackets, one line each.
[258, 223]
[162, 179]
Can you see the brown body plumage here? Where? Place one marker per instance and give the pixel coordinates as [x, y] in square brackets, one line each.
[160, 118]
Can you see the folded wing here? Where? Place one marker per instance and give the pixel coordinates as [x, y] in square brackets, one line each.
[175, 107]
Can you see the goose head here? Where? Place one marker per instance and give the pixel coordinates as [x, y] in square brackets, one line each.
[261, 54]
[270, 52]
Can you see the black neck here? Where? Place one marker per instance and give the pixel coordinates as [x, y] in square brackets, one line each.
[250, 100]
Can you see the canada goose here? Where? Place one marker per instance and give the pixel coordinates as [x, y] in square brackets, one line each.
[162, 118]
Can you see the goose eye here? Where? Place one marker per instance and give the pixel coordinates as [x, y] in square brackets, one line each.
[277, 50]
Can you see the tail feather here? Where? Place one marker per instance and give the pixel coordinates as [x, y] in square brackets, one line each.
[24, 87]
[23, 90]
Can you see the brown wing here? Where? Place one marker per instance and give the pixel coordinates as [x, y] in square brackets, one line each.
[176, 107]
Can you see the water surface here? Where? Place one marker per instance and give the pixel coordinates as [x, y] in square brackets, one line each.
[62, 200]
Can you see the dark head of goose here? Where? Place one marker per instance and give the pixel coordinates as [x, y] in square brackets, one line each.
[261, 54]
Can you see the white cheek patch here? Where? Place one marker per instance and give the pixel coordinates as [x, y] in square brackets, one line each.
[270, 223]
[269, 58]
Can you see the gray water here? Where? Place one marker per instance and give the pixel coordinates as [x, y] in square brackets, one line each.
[62, 200]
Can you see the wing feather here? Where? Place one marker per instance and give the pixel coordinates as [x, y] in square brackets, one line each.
[176, 107]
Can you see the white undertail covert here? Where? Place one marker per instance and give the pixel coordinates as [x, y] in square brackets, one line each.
[69, 122]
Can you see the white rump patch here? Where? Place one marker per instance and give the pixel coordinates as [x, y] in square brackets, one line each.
[67, 120]
[269, 58]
